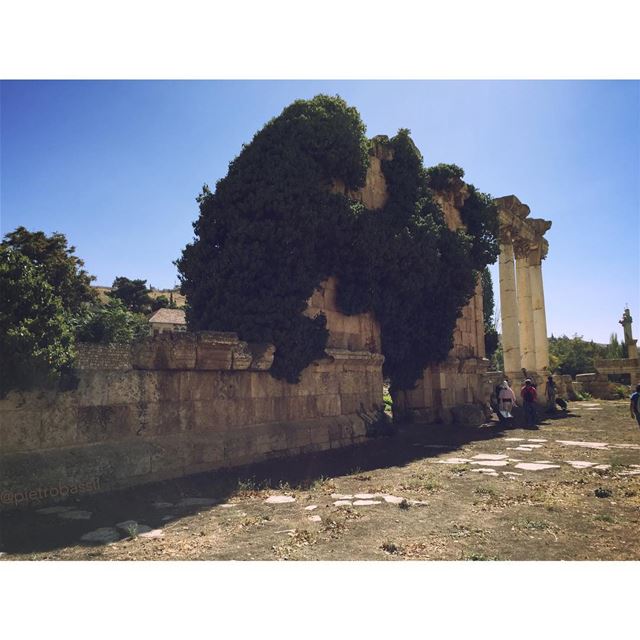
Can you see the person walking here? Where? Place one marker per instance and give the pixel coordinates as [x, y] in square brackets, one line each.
[551, 392]
[529, 395]
[506, 399]
[635, 404]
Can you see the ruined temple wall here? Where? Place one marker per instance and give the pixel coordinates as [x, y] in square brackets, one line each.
[358, 333]
[454, 389]
[184, 404]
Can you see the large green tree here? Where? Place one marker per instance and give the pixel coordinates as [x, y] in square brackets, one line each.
[36, 338]
[59, 267]
[274, 228]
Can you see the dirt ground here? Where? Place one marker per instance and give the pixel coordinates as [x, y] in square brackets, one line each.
[568, 490]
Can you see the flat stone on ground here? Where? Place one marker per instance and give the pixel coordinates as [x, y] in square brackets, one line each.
[152, 533]
[75, 515]
[279, 499]
[315, 518]
[103, 535]
[580, 464]
[51, 510]
[491, 463]
[588, 445]
[342, 503]
[311, 507]
[536, 466]
[365, 496]
[490, 456]
[392, 499]
[342, 496]
[366, 503]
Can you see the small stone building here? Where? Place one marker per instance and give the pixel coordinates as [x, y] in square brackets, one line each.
[167, 320]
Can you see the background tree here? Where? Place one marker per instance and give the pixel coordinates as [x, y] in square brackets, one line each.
[36, 338]
[573, 355]
[133, 294]
[111, 322]
[60, 268]
[162, 302]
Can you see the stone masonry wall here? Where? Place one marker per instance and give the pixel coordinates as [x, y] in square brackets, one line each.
[103, 357]
[189, 403]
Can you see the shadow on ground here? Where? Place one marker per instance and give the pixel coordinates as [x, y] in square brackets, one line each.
[27, 531]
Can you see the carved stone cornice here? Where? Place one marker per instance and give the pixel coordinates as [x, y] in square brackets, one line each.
[512, 205]
[525, 233]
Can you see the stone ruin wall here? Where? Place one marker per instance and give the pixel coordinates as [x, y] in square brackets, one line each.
[184, 403]
[179, 404]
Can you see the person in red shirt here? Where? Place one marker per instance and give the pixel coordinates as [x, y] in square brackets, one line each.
[529, 395]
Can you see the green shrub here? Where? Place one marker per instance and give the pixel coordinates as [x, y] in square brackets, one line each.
[443, 176]
[111, 322]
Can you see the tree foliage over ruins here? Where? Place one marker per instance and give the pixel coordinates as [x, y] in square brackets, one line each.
[273, 230]
[36, 338]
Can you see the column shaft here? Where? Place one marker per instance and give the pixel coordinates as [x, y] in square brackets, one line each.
[525, 312]
[509, 309]
[539, 316]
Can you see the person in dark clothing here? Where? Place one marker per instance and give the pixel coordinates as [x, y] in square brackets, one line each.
[635, 404]
[529, 395]
[551, 395]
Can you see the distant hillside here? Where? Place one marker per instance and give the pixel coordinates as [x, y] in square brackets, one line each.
[180, 300]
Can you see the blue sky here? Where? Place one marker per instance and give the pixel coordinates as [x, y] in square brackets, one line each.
[116, 166]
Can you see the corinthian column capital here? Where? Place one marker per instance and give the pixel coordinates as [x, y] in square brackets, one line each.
[522, 248]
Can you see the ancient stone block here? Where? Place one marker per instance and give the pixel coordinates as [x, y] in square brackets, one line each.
[107, 423]
[468, 414]
[21, 430]
[215, 350]
[166, 351]
[328, 405]
[241, 356]
[262, 355]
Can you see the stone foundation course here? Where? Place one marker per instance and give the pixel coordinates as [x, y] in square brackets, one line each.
[175, 405]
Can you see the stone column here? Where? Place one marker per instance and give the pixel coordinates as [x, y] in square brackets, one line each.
[509, 307]
[525, 308]
[537, 302]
